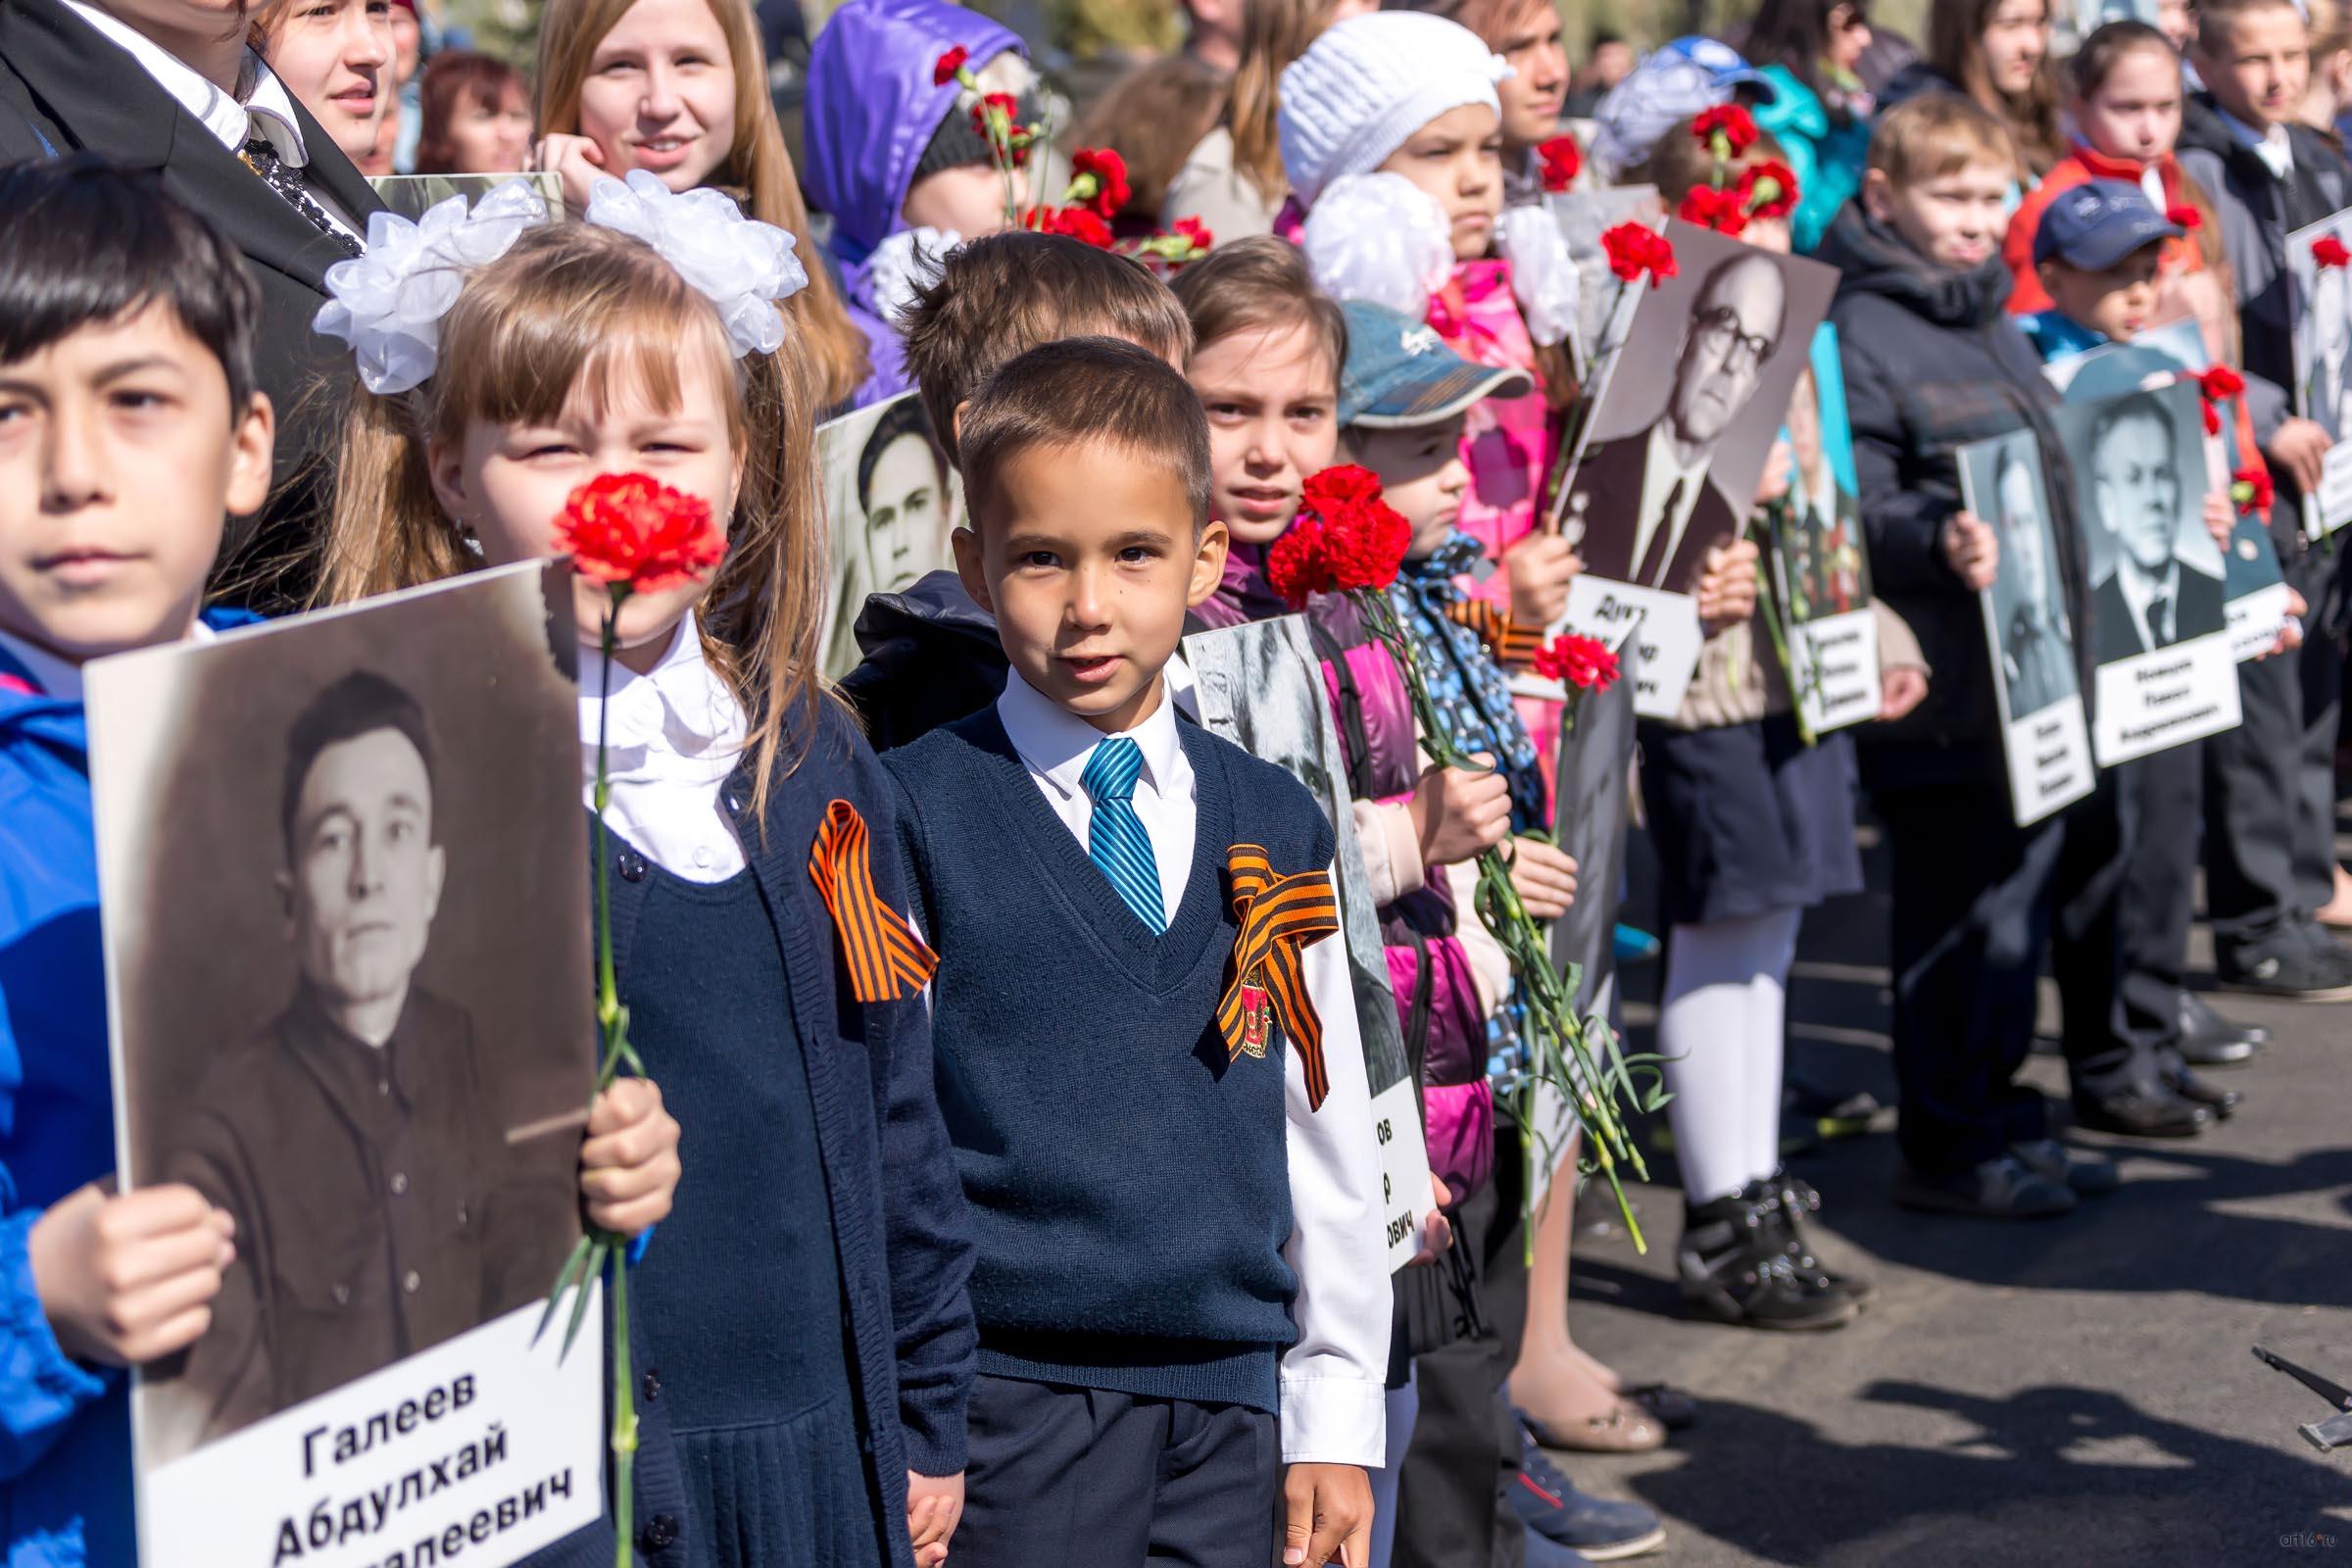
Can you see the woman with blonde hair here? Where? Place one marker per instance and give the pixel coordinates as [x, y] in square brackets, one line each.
[679, 88]
[1233, 182]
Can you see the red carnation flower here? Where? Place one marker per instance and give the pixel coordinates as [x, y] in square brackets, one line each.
[1633, 248]
[1298, 566]
[1079, 224]
[949, 64]
[1578, 662]
[1563, 158]
[2251, 489]
[2185, 216]
[2329, 251]
[631, 531]
[2216, 387]
[1339, 487]
[1191, 230]
[1355, 539]
[1107, 172]
[1769, 189]
[1719, 209]
[1728, 128]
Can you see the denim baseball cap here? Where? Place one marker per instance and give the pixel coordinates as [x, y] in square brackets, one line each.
[1399, 373]
[2097, 225]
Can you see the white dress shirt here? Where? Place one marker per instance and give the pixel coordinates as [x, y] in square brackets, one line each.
[267, 108]
[60, 677]
[1334, 1401]
[2139, 589]
[2270, 143]
[671, 739]
[1659, 475]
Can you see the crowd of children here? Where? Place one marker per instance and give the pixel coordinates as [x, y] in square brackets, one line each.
[1049, 1258]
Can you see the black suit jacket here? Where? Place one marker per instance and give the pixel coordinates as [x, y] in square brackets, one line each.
[2199, 612]
[64, 89]
[1607, 491]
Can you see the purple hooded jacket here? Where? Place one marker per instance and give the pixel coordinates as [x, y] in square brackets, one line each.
[872, 108]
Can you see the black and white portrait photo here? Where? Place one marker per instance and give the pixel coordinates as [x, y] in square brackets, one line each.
[2033, 645]
[893, 501]
[1670, 468]
[2140, 479]
[2323, 326]
[351, 977]
[1260, 687]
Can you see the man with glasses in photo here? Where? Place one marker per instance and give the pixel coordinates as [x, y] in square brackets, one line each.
[1680, 513]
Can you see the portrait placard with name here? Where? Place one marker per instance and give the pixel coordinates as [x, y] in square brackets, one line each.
[1669, 464]
[1820, 571]
[2045, 738]
[2254, 592]
[2322, 313]
[2159, 629]
[342, 862]
[1260, 686]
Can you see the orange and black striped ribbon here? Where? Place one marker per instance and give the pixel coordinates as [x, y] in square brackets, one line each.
[887, 960]
[1278, 916]
[1510, 643]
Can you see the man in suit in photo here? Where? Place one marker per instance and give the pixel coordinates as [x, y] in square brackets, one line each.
[2149, 599]
[2038, 665]
[171, 86]
[1661, 475]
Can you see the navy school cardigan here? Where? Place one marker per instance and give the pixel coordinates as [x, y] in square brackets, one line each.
[897, 1206]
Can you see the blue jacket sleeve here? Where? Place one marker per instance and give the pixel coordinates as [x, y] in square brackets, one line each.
[42, 1388]
[927, 1231]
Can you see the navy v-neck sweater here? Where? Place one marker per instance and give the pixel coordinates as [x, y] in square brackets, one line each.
[1128, 1181]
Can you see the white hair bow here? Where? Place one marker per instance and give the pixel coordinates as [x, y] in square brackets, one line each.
[387, 303]
[1382, 239]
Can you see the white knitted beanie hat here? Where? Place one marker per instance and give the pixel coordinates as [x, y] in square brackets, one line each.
[1363, 87]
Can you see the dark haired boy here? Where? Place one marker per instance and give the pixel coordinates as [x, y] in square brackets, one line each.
[129, 427]
[931, 654]
[2269, 807]
[1162, 1138]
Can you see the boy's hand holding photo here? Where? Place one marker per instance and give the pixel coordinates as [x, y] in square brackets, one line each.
[1972, 550]
[1727, 587]
[1540, 566]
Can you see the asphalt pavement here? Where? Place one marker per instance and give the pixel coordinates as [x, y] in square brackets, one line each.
[2069, 1391]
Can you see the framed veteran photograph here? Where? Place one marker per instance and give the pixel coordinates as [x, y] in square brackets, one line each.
[1260, 686]
[2158, 630]
[341, 857]
[2322, 295]
[893, 501]
[1820, 571]
[2029, 634]
[1669, 464]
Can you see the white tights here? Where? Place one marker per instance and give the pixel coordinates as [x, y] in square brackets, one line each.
[1720, 1024]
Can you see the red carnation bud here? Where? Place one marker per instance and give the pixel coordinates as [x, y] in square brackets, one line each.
[631, 531]
[1718, 209]
[1563, 158]
[1582, 662]
[1191, 230]
[944, 71]
[1104, 173]
[1769, 189]
[1633, 248]
[2329, 251]
[2184, 215]
[1728, 129]
[2251, 489]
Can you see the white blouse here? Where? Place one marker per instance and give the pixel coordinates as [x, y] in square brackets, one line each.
[672, 738]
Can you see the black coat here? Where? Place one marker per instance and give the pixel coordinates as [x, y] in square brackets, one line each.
[1608, 484]
[64, 87]
[1933, 361]
[2200, 613]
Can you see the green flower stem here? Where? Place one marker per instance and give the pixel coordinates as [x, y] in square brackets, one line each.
[1580, 1058]
[600, 1252]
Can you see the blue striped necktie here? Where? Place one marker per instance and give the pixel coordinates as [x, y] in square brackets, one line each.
[1115, 839]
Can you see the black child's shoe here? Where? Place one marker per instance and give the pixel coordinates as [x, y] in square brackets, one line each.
[1735, 1269]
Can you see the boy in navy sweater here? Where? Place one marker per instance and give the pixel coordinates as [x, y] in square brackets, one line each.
[1148, 1055]
[129, 426]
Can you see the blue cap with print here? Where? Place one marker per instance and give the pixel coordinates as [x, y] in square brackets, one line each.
[1399, 373]
[2097, 225]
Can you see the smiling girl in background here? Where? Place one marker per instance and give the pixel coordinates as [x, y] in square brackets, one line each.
[1997, 54]
[679, 88]
[335, 57]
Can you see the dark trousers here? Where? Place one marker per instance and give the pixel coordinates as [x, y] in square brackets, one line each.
[1454, 1506]
[1069, 1475]
[2270, 790]
[2164, 797]
[1978, 901]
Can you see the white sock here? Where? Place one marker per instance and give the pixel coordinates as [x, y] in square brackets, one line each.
[1720, 1024]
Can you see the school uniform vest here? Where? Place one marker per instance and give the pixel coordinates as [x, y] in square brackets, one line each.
[1126, 1174]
